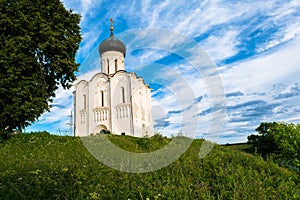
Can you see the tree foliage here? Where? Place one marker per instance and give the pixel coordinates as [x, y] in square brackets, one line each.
[281, 139]
[39, 39]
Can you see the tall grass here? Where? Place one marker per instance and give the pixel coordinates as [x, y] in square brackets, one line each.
[43, 166]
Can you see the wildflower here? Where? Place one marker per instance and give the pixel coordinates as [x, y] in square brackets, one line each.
[65, 169]
[94, 195]
[36, 172]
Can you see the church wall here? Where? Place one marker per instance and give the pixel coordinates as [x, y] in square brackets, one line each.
[99, 111]
[81, 109]
[121, 104]
[141, 103]
[149, 130]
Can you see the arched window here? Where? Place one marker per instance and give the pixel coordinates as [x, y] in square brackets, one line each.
[144, 130]
[123, 94]
[84, 101]
[116, 65]
[107, 66]
[102, 98]
[123, 112]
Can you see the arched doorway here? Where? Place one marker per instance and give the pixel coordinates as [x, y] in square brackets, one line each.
[99, 130]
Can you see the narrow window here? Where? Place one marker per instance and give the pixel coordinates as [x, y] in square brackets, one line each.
[123, 95]
[102, 98]
[84, 102]
[116, 65]
[143, 130]
[107, 66]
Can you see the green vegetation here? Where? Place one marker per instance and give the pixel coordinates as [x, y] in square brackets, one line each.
[278, 140]
[39, 40]
[43, 166]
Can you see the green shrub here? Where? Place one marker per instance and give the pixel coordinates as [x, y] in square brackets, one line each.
[280, 139]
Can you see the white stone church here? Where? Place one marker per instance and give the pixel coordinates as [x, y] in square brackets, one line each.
[114, 100]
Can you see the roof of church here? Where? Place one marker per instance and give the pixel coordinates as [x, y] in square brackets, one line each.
[112, 43]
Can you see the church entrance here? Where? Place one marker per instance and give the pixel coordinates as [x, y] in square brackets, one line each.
[100, 130]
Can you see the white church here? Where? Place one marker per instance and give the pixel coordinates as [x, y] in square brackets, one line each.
[114, 100]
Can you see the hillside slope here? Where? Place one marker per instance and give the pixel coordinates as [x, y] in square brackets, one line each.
[43, 166]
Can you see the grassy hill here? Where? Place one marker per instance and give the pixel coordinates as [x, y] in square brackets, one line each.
[43, 166]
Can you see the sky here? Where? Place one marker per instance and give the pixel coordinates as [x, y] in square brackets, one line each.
[217, 68]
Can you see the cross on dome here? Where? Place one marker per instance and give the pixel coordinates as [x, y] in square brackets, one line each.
[112, 43]
[111, 26]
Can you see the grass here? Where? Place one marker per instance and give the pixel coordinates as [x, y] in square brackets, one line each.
[43, 166]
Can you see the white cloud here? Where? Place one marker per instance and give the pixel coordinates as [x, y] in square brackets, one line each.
[222, 46]
[146, 57]
[279, 66]
[62, 107]
[87, 76]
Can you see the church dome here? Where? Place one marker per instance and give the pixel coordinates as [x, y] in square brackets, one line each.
[112, 44]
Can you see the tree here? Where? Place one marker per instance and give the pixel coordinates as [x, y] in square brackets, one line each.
[281, 139]
[39, 40]
[265, 141]
[287, 138]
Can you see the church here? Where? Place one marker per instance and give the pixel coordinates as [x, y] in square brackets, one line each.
[113, 100]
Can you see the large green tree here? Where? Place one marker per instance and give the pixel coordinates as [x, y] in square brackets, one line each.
[280, 139]
[39, 39]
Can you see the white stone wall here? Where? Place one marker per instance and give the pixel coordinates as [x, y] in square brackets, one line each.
[121, 103]
[81, 109]
[99, 101]
[141, 104]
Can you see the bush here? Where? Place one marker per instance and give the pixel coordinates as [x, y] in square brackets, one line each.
[280, 139]
[4, 135]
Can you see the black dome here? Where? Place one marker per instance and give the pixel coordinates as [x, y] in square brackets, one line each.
[112, 44]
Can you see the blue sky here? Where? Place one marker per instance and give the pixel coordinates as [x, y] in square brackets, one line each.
[254, 46]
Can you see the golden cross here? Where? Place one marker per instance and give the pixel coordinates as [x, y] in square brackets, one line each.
[111, 24]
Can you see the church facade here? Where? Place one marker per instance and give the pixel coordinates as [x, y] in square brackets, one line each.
[114, 100]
